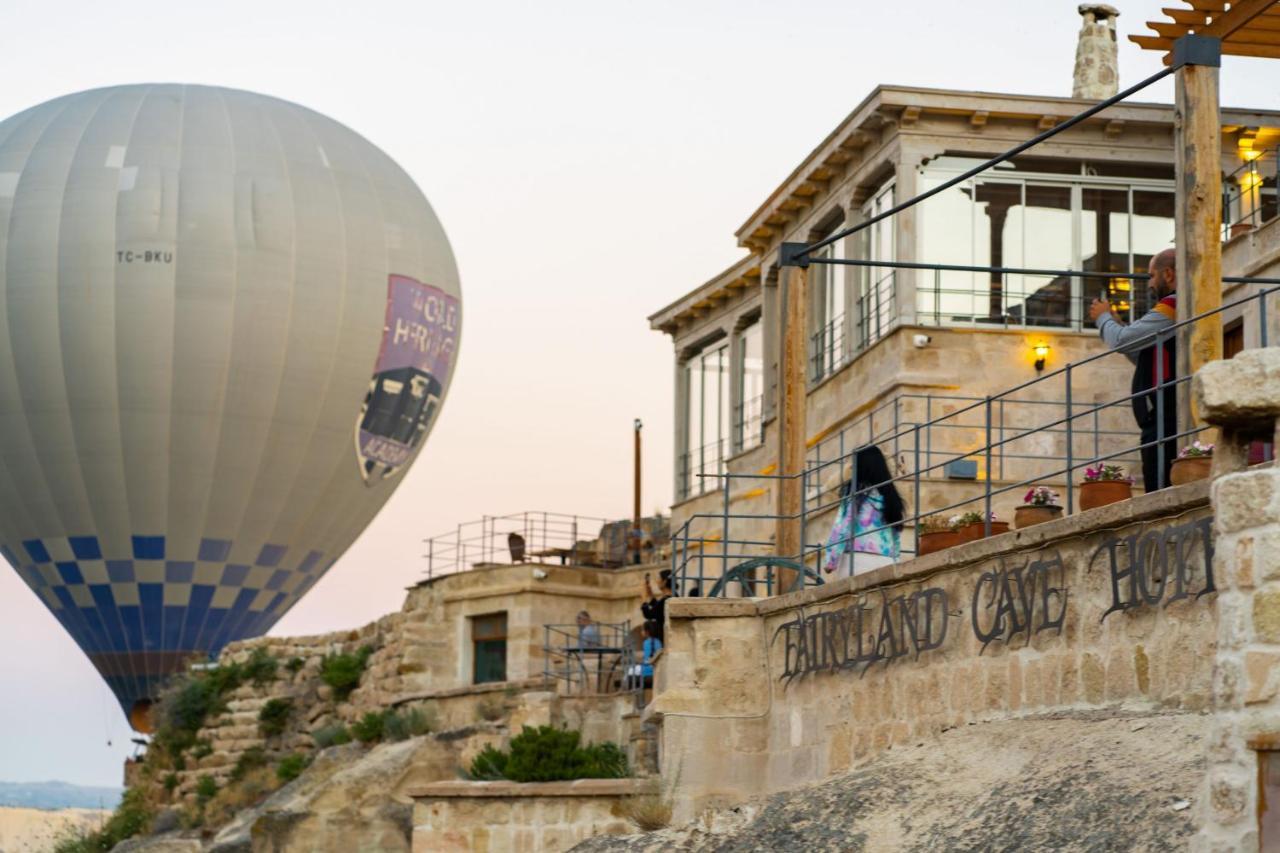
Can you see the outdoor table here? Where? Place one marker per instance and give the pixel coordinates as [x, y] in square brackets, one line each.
[580, 652]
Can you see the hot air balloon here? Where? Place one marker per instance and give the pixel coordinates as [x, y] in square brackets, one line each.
[227, 325]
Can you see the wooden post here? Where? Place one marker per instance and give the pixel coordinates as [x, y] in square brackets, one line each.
[1198, 213]
[792, 388]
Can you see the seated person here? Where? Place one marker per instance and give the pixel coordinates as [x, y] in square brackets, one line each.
[588, 631]
[641, 674]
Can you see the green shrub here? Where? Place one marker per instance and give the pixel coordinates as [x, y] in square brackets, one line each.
[406, 724]
[490, 764]
[295, 665]
[260, 668]
[371, 727]
[250, 759]
[206, 789]
[342, 671]
[202, 749]
[548, 754]
[170, 782]
[291, 767]
[274, 717]
[194, 697]
[331, 736]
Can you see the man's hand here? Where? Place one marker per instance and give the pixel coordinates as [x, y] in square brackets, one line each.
[1097, 308]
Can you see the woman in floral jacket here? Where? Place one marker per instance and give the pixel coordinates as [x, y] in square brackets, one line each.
[868, 529]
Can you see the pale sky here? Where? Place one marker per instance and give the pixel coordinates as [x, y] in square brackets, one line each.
[590, 162]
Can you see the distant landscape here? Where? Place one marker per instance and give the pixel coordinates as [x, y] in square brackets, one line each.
[57, 795]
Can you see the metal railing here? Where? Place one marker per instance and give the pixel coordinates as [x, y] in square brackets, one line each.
[708, 544]
[696, 465]
[827, 351]
[596, 660]
[542, 535]
[748, 423]
[1249, 194]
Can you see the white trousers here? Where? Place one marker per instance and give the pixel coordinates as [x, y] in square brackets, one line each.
[859, 563]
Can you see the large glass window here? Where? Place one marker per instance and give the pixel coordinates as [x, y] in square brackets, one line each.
[706, 376]
[1016, 218]
[749, 424]
[876, 309]
[827, 342]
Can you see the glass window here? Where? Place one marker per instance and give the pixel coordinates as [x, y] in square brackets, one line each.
[750, 421]
[707, 410]
[877, 307]
[827, 343]
[1012, 219]
[489, 652]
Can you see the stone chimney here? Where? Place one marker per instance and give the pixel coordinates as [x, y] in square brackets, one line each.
[1097, 73]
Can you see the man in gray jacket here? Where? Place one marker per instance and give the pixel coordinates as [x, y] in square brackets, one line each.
[1154, 357]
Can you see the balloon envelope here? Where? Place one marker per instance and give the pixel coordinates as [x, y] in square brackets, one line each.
[227, 324]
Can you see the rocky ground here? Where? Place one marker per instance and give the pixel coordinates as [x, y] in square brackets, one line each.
[1090, 782]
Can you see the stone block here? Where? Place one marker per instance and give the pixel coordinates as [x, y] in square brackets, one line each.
[1262, 672]
[1229, 795]
[1093, 678]
[1266, 615]
[1241, 392]
[1245, 500]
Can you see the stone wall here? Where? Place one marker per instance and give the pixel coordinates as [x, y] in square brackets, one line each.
[1242, 397]
[510, 817]
[755, 696]
[421, 659]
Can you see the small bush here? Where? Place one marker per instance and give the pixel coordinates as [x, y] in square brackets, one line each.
[206, 789]
[490, 764]
[274, 717]
[371, 727]
[331, 736]
[130, 818]
[170, 782]
[342, 671]
[490, 709]
[250, 759]
[548, 754]
[406, 724]
[260, 668]
[295, 665]
[648, 812]
[202, 749]
[291, 767]
[255, 785]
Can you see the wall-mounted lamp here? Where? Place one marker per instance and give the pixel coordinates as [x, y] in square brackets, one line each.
[1042, 353]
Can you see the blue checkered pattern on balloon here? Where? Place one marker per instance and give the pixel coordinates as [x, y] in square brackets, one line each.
[138, 617]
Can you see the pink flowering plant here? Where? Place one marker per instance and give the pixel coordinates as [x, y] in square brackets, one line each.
[1041, 496]
[1195, 450]
[1106, 473]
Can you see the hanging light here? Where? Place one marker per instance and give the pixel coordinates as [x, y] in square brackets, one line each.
[1041, 351]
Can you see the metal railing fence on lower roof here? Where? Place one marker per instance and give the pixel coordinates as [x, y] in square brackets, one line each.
[702, 557]
[553, 535]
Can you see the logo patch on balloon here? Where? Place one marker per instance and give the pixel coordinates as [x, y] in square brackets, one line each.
[419, 339]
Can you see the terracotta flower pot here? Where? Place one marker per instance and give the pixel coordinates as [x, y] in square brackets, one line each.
[977, 530]
[939, 541]
[1028, 516]
[1190, 469]
[1102, 492]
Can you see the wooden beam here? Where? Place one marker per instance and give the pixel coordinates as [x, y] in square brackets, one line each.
[1189, 17]
[1263, 50]
[793, 390]
[1198, 223]
[1242, 12]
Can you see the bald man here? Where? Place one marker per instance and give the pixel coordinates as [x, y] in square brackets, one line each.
[1137, 341]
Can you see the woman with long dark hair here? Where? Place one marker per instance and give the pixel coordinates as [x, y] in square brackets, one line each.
[867, 532]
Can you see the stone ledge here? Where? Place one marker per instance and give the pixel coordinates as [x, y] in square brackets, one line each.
[710, 608]
[505, 790]
[1159, 504]
[469, 690]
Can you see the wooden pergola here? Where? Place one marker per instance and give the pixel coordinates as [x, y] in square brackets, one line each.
[1246, 27]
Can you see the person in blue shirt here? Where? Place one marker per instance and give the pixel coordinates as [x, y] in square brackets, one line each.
[641, 674]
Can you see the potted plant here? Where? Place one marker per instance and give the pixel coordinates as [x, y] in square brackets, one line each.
[1193, 463]
[1039, 505]
[1105, 484]
[972, 527]
[935, 533]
